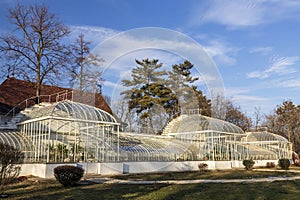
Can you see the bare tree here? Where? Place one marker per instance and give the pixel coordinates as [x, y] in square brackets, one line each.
[288, 116]
[225, 109]
[121, 109]
[86, 73]
[271, 123]
[235, 116]
[219, 107]
[35, 47]
[285, 121]
[10, 160]
[258, 117]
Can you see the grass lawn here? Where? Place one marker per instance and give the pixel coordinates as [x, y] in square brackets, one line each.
[214, 174]
[51, 189]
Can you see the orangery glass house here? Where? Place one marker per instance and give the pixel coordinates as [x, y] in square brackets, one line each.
[68, 131]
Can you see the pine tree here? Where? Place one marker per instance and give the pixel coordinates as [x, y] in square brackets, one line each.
[149, 88]
[146, 88]
[189, 97]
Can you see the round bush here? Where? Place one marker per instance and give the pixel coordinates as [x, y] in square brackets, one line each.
[270, 165]
[68, 175]
[248, 164]
[202, 166]
[284, 163]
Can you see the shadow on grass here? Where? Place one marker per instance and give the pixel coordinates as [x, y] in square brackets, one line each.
[266, 190]
[274, 190]
[212, 175]
[51, 189]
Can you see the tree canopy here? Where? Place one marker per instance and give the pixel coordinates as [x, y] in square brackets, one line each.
[34, 49]
[189, 97]
[285, 121]
[142, 94]
[236, 116]
[225, 109]
[151, 86]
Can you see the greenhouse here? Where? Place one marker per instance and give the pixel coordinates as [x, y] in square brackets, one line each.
[68, 131]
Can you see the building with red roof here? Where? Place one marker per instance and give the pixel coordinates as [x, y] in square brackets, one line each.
[14, 91]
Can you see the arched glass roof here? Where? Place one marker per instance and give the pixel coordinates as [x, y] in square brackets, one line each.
[16, 140]
[71, 110]
[194, 123]
[150, 144]
[264, 136]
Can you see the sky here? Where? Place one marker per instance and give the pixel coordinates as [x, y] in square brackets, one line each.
[250, 48]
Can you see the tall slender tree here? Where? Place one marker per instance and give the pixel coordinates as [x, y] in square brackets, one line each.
[35, 47]
[201, 102]
[181, 82]
[258, 117]
[85, 72]
[179, 79]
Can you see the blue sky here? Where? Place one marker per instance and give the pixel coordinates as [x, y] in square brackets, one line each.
[254, 44]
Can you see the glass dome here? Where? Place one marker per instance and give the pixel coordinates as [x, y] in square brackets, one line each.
[71, 110]
[196, 123]
[266, 145]
[265, 136]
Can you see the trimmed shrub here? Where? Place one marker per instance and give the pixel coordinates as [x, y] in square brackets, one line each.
[10, 165]
[202, 167]
[284, 163]
[248, 164]
[68, 175]
[270, 165]
[22, 178]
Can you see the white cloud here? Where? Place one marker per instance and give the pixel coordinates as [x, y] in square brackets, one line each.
[243, 13]
[262, 50]
[287, 83]
[93, 34]
[279, 66]
[232, 91]
[221, 52]
[295, 83]
[168, 46]
[120, 50]
[247, 100]
[235, 13]
[257, 74]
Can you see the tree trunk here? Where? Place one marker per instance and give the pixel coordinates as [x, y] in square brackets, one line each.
[38, 93]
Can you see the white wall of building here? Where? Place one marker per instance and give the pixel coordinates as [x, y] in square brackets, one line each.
[46, 170]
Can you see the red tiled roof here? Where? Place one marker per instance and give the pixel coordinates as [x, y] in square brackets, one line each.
[13, 91]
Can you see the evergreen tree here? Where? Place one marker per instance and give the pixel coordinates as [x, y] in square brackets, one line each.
[146, 72]
[153, 94]
[189, 97]
[146, 88]
[179, 79]
[201, 102]
[149, 88]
